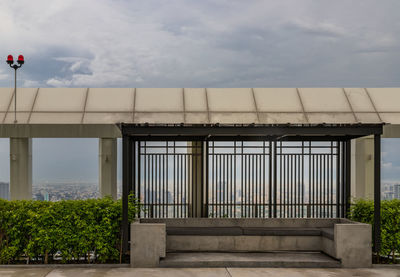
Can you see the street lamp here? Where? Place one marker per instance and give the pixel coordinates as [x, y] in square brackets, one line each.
[20, 62]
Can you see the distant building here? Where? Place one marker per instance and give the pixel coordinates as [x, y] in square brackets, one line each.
[396, 191]
[390, 191]
[38, 196]
[4, 190]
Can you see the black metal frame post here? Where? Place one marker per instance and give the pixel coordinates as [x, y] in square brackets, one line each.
[347, 184]
[126, 173]
[377, 193]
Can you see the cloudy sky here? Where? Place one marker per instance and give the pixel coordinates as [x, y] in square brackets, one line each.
[227, 43]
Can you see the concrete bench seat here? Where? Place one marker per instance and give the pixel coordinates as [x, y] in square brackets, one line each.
[244, 231]
[204, 231]
[256, 231]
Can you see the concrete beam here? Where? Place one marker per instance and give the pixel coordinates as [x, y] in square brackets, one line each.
[20, 168]
[108, 167]
[59, 131]
[391, 131]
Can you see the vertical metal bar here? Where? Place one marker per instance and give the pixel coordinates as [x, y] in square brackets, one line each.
[294, 184]
[323, 185]
[275, 180]
[213, 191]
[219, 172]
[291, 185]
[319, 183]
[226, 185]
[309, 181]
[298, 187]
[259, 186]
[343, 185]
[139, 166]
[182, 168]
[202, 189]
[207, 157]
[253, 184]
[263, 168]
[174, 182]
[338, 150]
[331, 181]
[245, 184]
[193, 157]
[314, 172]
[302, 179]
[377, 193]
[257, 194]
[270, 179]
[151, 174]
[248, 185]
[281, 195]
[159, 191]
[235, 180]
[167, 179]
[326, 178]
[162, 184]
[242, 177]
[287, 181]
[262, 186]
[145, 181]
[231, 195]
[207, 177]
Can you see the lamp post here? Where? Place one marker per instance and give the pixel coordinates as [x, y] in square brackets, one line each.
[20, 62]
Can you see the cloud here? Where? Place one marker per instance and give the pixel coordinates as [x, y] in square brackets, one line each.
[202, 43]
[322, 29]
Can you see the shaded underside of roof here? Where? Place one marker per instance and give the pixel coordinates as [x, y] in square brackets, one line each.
[201, 105]
[250, 131]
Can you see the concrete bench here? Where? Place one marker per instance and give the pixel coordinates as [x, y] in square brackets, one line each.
[342, 239]
[239, 231]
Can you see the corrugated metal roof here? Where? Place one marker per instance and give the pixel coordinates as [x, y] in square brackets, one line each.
[200, 105]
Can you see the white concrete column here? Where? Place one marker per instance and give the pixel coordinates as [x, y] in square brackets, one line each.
[108, 167]
[363, 168]
[20, 168]
[195, 169]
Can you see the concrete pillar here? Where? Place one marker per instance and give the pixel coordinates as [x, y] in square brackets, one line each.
[108, 167]
[20, 168]
[196, 173]
[363, 168]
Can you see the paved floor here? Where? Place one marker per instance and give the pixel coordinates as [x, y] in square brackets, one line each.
[194, 272]
[283, 260]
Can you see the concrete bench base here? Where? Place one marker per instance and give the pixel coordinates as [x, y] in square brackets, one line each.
[344, 240]
[148, 244]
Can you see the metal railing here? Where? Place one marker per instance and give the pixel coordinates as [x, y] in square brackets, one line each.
[179, 179]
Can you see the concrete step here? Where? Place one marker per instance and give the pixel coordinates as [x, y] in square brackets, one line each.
[238, 259]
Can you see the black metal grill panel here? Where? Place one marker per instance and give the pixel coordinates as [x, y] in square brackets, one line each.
[284, 179]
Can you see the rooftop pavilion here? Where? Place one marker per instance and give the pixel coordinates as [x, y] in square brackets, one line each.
[94, 113]
[357, 115]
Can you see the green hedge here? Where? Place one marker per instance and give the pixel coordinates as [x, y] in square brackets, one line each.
[363, 211]
[64, 231]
